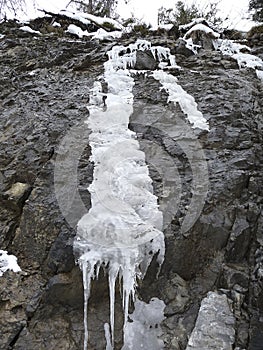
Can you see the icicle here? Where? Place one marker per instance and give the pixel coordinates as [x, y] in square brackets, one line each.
[86, 284]
[113, 273]
[107, 336]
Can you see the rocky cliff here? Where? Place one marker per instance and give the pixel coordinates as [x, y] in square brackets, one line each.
[211, 279]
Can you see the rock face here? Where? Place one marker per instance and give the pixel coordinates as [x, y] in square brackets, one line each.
[46, 83]
[214, 328]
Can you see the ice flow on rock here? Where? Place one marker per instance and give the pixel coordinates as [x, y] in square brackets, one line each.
[122, 230]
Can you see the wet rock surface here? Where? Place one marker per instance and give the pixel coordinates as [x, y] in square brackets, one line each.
[46, 82]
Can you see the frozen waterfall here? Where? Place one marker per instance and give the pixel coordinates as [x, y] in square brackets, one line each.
[123, 229]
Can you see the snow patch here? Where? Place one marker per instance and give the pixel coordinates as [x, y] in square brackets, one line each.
[56, 24]
[203, 28]
[29, 30]
[102, 34]
[166, 26]
[191, 24]
[87, 18]
[8, 262]
[259, 74]
[73, 29]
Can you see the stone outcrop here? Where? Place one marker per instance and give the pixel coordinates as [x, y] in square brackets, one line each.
[45, 86]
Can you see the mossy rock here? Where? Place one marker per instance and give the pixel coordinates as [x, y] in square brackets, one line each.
[108, 25]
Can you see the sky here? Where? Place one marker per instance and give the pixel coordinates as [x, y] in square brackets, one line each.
[146, 10]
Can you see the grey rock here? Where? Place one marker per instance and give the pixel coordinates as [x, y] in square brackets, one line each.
[45, 85]
[181, 49]
[145, 60]
[214, 328]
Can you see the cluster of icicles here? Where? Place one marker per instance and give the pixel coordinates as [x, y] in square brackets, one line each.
[122, 231]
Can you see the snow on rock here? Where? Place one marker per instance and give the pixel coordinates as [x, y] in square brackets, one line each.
[2, 36]
[202, 28]
[259, 74]
[247, 60]
[191, 24]
[102, 34]
[56, 24]
[87, 18]
[215, 325]
[229, 47]
[235, 50]
[167, 27]
[191, 46]
[144, 331]
[8, 262]
[178, 95]
[29, 30]
[73, 29]
[199, 33]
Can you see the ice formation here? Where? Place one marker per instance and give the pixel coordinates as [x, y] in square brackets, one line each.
[227, 47]
[144, 331]
[123, 229]
[230, 48]
[8, 262]
[187, 102]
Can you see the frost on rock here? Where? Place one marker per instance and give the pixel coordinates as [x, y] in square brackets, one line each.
[8, 262]
[178, 95]
[215, 325]
[122, 230]
[143, 332]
